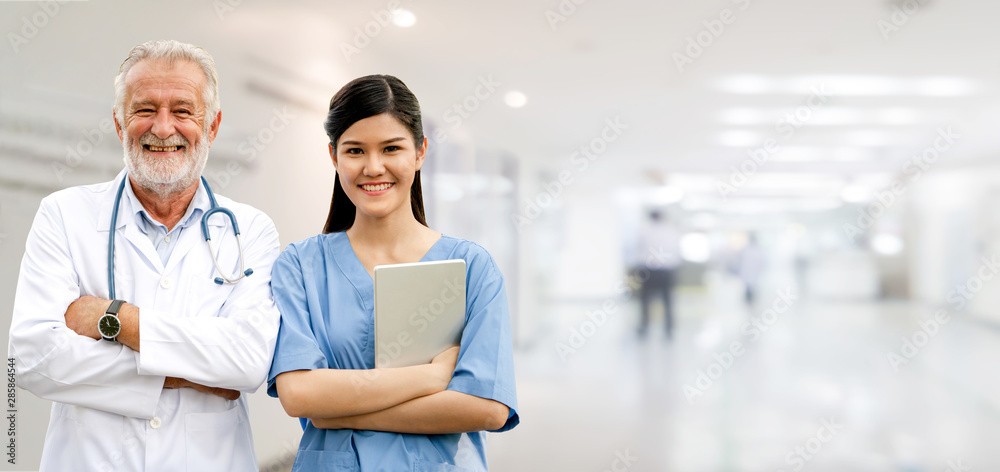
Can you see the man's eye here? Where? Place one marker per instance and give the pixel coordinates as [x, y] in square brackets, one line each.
[183, 112]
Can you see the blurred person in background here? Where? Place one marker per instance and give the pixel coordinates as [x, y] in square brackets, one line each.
[162, 394]
[659, 255]
[748, 265]
[356, 416]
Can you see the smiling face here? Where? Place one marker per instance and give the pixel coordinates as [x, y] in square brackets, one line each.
[376, 161]
[163, 130]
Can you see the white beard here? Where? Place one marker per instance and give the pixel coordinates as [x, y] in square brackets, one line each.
[161, 176]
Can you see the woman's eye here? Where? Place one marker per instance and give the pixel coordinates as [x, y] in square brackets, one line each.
[353, 151]
[392, 148]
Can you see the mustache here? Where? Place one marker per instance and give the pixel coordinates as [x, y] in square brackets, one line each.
[151, 140]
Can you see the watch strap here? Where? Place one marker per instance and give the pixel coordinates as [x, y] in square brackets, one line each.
[114, 307]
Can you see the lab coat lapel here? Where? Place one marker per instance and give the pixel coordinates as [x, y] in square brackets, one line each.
[139, 241]
[189, 238]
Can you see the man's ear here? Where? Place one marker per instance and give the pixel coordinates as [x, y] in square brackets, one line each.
[422, 153]
[214, 130]
[333, 156]
[118, 126]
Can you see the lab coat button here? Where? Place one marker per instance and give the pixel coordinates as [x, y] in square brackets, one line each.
[155, 422]
[165, 283]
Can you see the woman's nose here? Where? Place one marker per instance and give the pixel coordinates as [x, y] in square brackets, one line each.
[374, 165]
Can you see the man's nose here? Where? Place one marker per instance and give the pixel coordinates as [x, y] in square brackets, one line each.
[163, 125]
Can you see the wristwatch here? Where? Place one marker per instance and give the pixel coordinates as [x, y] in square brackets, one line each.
[109, 325]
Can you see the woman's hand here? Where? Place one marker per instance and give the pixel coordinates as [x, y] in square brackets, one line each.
[444, 366]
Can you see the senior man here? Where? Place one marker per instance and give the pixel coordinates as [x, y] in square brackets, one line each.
[150, 380]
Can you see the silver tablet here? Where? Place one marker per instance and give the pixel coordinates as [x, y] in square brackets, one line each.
[419, 311]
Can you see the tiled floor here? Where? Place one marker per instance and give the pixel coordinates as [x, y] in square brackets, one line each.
[619, 403]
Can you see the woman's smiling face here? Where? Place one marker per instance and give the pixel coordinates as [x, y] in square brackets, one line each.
[376, 161]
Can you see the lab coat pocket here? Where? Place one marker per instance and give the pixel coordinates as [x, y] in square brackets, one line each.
[218, 442]
[424, 466]
[325, 461]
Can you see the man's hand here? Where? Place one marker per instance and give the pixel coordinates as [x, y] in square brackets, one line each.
[83, 314]
[174, 382]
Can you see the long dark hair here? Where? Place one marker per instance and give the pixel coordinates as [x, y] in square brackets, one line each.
[362, 98]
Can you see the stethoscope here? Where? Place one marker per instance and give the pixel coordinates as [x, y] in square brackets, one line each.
[215, 208]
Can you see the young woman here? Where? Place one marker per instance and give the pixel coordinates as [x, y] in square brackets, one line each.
[421, 418]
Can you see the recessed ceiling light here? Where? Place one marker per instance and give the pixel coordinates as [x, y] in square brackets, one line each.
[887, 244]
[739, 138]
[515, 99]
[403, 18]
[855, 194]
[849, 85]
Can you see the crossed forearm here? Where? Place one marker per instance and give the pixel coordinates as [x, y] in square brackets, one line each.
[82, 317]
[444, 412]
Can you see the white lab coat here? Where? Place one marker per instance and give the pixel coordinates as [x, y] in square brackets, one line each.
[110, 412]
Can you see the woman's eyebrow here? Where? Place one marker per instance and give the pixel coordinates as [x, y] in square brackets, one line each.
[355, 143]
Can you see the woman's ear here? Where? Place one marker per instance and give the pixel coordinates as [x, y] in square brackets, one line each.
[421, 153]
[333, 155]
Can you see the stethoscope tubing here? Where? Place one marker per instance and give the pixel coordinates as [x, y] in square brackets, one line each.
[215, 208]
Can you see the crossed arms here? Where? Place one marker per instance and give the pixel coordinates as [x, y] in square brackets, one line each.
[403, 400]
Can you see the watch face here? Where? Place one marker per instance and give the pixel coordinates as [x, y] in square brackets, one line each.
[109, 326]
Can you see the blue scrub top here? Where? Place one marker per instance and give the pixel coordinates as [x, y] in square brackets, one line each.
[326, 300]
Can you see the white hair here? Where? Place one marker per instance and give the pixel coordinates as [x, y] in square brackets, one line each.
[170, 51]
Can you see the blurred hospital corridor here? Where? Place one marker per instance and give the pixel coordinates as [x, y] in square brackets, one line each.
[819, 365]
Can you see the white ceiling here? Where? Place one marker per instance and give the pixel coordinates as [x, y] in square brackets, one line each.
[607, 60]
